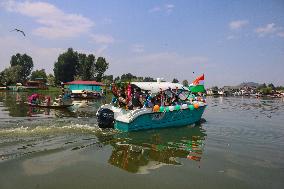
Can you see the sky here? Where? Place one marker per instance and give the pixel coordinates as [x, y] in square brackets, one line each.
[229, 41]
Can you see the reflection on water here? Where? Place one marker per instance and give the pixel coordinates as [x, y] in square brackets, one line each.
[136, 152]
[139, 152]
[12, 104]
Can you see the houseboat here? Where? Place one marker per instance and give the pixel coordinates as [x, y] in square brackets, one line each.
[85, 89]
[37, 83]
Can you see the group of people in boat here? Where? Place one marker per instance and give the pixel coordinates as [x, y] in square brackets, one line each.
[37, 99]
[43, 100]
[133, 98]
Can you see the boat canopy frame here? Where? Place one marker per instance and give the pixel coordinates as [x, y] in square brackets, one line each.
[155, 87]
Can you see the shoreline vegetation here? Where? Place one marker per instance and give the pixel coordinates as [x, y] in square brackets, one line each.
[248, 89]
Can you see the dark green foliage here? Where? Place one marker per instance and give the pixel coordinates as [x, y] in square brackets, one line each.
[116, 79]
[108, 79]
[271, 86]
[72, 65]
[86, 66]
[66, 66]
[26, 64]
[266, 89]
[149, 79]
[261, 86]
[127, 77]
[11, 75]
[100, 67]
[280, 88]
[130, 77]
[39, 74]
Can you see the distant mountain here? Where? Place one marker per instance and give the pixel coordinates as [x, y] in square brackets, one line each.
[249, 84]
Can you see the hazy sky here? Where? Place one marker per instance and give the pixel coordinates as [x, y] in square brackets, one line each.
[229, 41]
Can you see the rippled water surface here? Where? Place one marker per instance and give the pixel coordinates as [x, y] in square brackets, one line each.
[239, 144]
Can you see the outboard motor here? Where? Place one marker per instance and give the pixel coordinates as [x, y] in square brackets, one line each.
[105, 118]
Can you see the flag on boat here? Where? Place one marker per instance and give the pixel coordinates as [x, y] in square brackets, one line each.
[197, 85]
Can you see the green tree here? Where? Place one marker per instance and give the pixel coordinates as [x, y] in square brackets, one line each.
[271, 86]
[86, 66]
[65, 69]
[107, 79]
[100, 67]
[139, 79]
[148, 79]
[51, 80]
[266, 90]
[185, 83]
[26, 64]
[73, 65]
[280, 88]
[2, 79]
[116, 79]
[39, 74]
[127, 77]
[11, 75]
[261, 86]
[175, 80]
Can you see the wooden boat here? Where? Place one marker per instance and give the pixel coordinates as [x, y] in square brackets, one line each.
[49, 106]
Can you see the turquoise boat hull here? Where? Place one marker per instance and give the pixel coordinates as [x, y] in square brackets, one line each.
[162, 119]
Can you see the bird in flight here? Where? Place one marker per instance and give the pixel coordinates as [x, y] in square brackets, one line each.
[17, 30]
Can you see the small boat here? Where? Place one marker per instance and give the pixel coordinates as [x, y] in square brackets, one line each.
[182, 114]
[54, 106]
[41, 101]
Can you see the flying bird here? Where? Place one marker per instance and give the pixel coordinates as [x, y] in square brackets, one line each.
[17, 30]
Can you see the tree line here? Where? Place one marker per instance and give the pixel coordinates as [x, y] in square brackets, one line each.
[70, 65]
[268, 89]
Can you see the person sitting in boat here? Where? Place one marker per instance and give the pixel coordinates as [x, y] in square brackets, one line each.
[163, 97]
[156, 100]
[34, 99]
[174, 100]
[148, 102]
[137, 101]
[191, 97]
[167, 101]
[84, 93]
[59, 100]
[122, 99]
[66, 96]
[114, 100]
[47, 101]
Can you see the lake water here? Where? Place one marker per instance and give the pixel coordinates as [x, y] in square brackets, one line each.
[240, 144]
